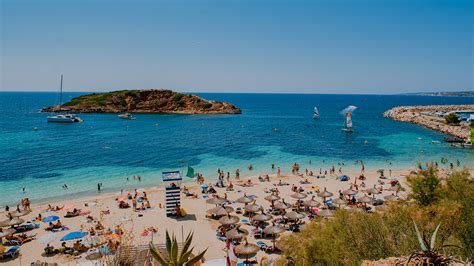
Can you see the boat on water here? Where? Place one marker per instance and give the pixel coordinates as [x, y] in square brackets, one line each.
[315, 113]
[63, 118]
[126, 116]
[348, 127]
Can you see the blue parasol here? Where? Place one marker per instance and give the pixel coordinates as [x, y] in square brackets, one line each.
[73, 235]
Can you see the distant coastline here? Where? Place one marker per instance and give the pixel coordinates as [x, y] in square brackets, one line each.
[444, 94]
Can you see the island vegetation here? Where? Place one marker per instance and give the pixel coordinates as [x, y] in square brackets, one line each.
[144, 101]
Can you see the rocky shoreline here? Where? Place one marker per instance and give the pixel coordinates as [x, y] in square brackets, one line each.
[415, 114]
[144, 101]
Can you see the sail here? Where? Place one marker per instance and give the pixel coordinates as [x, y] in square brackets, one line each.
[190, 172]
[348, 120]
[315, 112]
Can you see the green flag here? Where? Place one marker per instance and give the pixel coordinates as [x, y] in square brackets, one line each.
[190, 173]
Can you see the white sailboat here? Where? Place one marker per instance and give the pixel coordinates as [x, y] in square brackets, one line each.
[315, 113]
[126, 116]
[348, 127]
[63, 118]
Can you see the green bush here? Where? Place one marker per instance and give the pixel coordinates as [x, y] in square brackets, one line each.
[425, 186]
[178, 97]
[452, 118]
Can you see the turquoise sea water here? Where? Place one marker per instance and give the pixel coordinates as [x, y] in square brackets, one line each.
[272, 128]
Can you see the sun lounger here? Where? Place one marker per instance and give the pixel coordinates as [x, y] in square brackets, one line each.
[264, 246]
[221, 238]
[12, 253]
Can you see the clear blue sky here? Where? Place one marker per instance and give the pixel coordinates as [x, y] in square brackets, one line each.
[379, 46]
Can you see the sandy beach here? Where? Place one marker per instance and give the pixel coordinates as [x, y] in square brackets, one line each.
[135, 224]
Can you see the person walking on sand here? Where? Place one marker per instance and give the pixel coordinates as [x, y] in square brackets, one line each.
[278, 171]
[98, 187]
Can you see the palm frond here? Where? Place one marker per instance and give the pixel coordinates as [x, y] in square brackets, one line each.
[157, 255]
[194, 260]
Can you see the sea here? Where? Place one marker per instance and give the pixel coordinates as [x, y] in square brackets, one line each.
[38, 158]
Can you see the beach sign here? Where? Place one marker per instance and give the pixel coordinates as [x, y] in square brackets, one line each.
[171, 176]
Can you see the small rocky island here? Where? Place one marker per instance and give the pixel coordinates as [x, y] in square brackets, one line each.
[432, 117]
[144, 101]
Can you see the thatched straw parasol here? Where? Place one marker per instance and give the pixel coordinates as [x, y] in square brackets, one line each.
[253, 208]
[220, 211]
[391, 198]
[373, 191]
[365, 199]
[349, 192]
[262, 217]
[14, 221]
[236, 233]
[298, 195]
[229, 219]
[339, 202]
[19, 213]
[281, 205]
[311, 203]
[294, 215]
[273, 230]
[326, 213]
[244, 199]
[7, 232]
[272, 197]
[216, 201]
[247, 250]
[325, 194]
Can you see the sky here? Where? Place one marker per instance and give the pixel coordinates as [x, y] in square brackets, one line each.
[334, 46]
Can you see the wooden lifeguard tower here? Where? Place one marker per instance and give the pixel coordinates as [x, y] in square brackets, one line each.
[172, 182]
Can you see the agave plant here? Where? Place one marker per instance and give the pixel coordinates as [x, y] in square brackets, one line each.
[174, 257]
[429, 254]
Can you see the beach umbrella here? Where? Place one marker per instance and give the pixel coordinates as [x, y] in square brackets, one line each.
[373, 191]
[73, 235]
[228, 220]
[247, 250]
[262, 217]
[19, 213]
[7, 232]
[220, 211]
[273, 230]
[272, 197]
[253, 208]
[298, 195]
[326, 213]
[216, 201]
[47, 238]
[12, 222]
[236, 233]
[294, 215]
[391, 198]
[349, 192]
[311, 203]
[325, 194]
[365, 199]
[50, 218]
[244, 199]
[339, 202]
[281, 205]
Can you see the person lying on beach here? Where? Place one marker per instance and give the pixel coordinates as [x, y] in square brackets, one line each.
[65, 249]
[75, 212]
[79, 247]
[124, 205]
[306, 181]
[280, 183]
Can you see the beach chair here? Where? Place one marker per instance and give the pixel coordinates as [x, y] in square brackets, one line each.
[12, 253]
[221, 238]
[264, 247]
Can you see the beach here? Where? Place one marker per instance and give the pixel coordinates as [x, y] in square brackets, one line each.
[135, 223]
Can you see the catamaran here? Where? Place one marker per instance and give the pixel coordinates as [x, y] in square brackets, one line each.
[63, 118]
[348, 127]
[315, 113]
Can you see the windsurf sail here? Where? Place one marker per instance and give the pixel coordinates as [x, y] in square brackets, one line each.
[348, 120]
[315, 112]
[190, 172]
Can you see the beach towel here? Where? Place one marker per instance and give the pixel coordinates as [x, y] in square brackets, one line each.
[64, 228]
